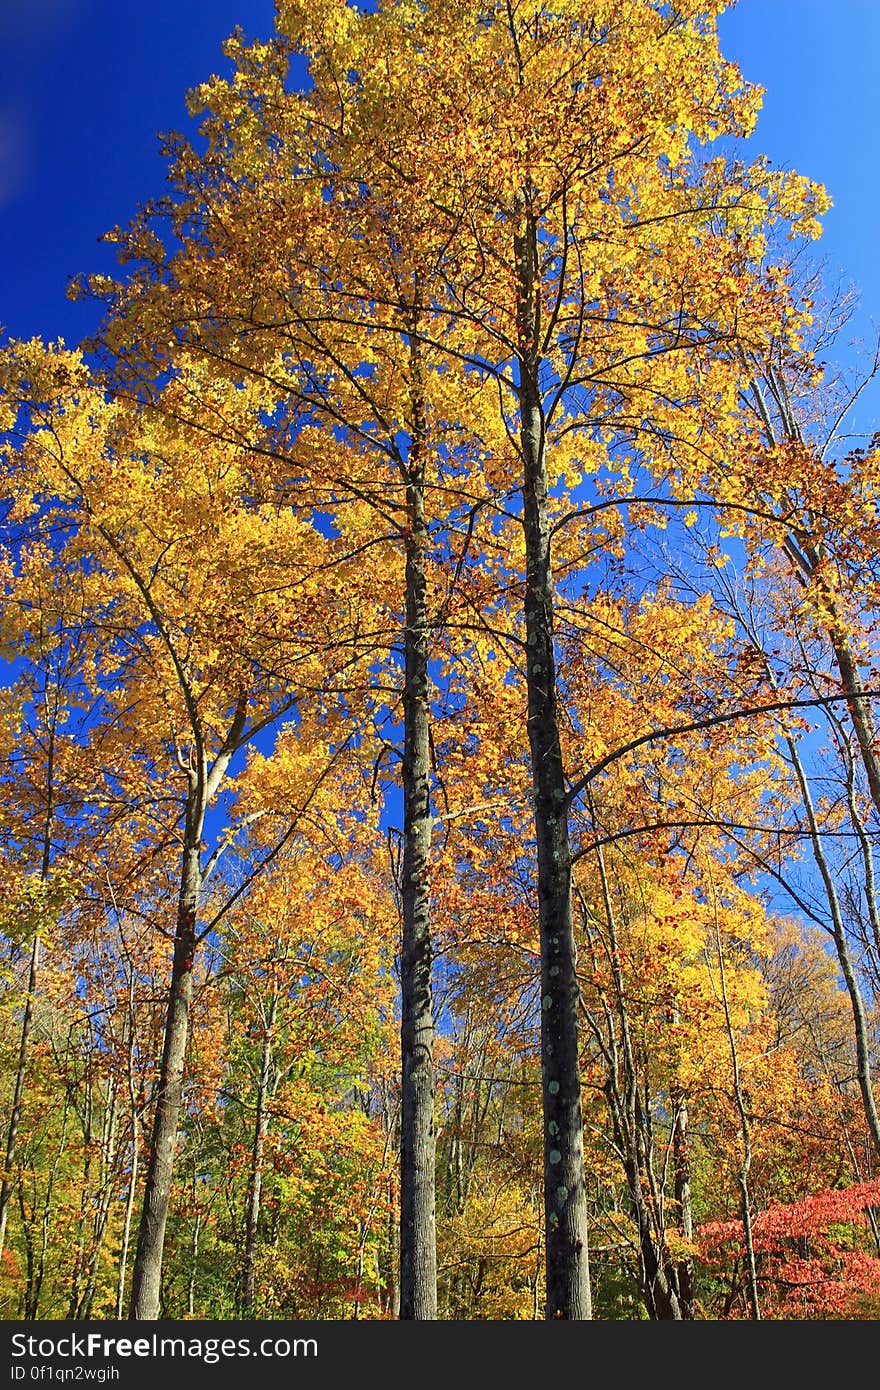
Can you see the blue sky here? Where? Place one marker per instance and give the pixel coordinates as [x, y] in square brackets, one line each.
[818, 62]
[86, 85]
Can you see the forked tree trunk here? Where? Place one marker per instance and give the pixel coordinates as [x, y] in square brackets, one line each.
[568, 1284]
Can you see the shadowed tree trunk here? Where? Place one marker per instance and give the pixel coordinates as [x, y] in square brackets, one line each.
[568, 1285]
[681, 1160]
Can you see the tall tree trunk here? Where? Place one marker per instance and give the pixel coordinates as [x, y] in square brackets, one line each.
[86, 1119]
[861, 1025]
[105, 1198]
[255, 1186]
[860, 711]
[567, 1263]
[36, 1260]
[418, 1257]
[27, 1016]
[393, 1286]
[628, 1120]
[193, 1265]
[135, 1152]
[745, 1136]
[126, 1225]
[806, 555]
[681, 1161]
[147, 1271]
[6, 1187]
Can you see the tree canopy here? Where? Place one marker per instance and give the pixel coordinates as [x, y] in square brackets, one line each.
[442, 795]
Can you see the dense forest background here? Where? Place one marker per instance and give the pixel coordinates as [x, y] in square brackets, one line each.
[441, 788]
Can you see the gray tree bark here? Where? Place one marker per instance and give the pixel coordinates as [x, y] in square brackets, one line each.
[567, 1261]
[255, 1186]
[147, 1272]
[682, 1177]
[418, 1259]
